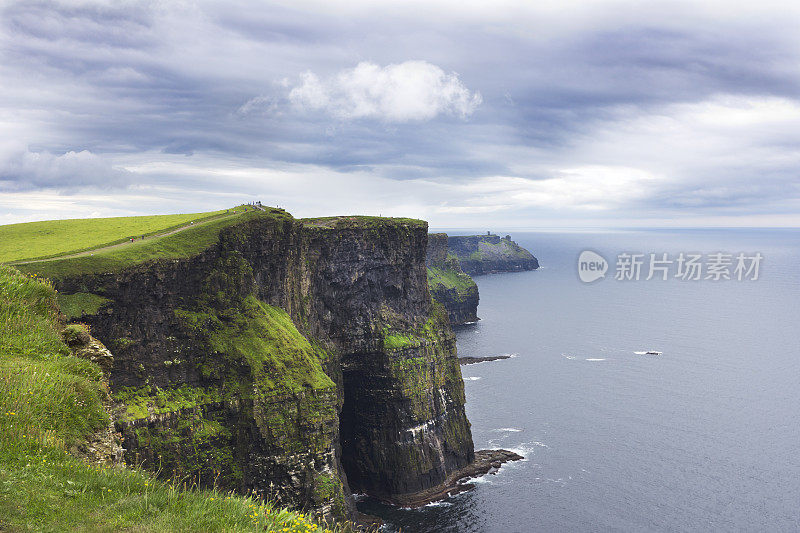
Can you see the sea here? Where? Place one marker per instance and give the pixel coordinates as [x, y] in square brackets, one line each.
[703, 437]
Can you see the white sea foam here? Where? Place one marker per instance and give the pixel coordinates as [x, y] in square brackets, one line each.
[512, 430]
[472, 378]
[640, 353]
[440, 503]
[567, 356]
[526, 449]
[596, 359]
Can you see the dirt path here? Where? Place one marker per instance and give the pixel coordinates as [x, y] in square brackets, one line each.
[127, 243]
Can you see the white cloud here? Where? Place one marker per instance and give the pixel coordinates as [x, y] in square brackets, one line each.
[404, 92]
[23, 169]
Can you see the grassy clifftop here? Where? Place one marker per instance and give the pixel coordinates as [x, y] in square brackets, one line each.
[361, 222]
[51, 401]
[52, 238]
[184, 243]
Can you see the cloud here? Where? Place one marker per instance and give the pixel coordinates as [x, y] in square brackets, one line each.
[25, 170]
[405, 92]
[609, 109]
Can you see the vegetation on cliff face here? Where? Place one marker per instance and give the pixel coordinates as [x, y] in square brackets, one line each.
[280, 358]
[448, 284]
[224, 386]
[447, 279]
[81, 303]
[51, 238]
[258, 410]
[421, 380]
[51, 401]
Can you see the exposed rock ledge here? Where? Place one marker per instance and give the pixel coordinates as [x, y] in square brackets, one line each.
[474, 360]
[486, 462]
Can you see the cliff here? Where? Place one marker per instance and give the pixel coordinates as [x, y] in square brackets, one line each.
[448, 283]
[487, 254]
[302, 360]
[58, 441]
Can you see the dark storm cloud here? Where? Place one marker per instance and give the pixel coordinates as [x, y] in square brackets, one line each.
[519, 91]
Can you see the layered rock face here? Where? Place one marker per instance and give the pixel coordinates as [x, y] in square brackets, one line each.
[403, 425]
[283, 356]
[448, 283]
[487, 254]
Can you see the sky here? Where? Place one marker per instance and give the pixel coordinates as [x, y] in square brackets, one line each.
[468, 114]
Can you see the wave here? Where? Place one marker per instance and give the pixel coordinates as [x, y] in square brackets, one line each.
[597, 359]
[640, 353]
[526, 449]
[567, 356]
[512, 430]
[472, 378]
[440, 503]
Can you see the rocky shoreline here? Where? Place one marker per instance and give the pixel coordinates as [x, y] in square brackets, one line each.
[486, 462]
[475, 360]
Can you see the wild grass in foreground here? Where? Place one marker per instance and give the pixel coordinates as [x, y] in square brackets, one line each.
[49, 402]
[46, 489]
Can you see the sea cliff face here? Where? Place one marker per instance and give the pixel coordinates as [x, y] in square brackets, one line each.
[448, 283]
[302, 360]
[487, 254]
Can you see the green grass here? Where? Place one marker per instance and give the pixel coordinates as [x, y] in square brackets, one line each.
[182, 244]
[51, 238]
[81, 303]
[359, 221]
[45, 489]
[51, 400]
[141, 402]
[447, 278]
[46, 394]
[406, 338]
[281, 358]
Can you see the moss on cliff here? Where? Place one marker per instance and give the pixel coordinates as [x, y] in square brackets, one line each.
[146, 401]
[194, 443]
[440, 279]
[420, 361]
[51, 401]
[81, 303]
[448, 284]
[280, 358]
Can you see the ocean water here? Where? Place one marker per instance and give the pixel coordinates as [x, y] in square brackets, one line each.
[705, 437]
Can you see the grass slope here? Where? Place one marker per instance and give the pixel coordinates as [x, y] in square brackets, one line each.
[51, 238]
[182, 244]
[450, 279]
[51, 400]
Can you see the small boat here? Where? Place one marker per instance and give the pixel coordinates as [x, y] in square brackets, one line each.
[652, 352]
